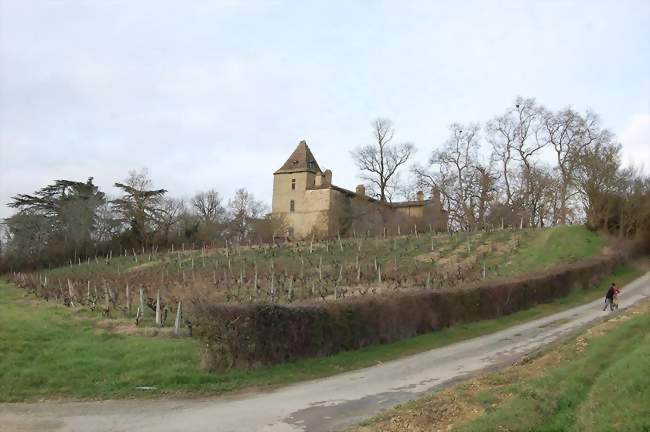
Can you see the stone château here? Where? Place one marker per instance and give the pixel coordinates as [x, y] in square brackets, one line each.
[308, 203]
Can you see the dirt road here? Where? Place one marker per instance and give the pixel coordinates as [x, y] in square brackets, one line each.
[320, 405]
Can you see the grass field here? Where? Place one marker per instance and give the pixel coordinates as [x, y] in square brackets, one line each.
[597, 382]
[50, 351]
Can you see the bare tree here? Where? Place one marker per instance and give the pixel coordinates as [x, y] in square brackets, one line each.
[380, 160]
[172, 211]
[501, 133]
[569, 134]
[208, 207]
[108, 224]
[484, 191]
[597, 179]
[466, 185]
[526, 146]
[243, 209]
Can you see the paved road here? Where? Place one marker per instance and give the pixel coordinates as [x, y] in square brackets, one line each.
[320, 405]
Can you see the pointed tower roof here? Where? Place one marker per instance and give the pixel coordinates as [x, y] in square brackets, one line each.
[300, 160]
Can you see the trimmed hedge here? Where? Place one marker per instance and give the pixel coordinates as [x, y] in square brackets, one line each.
[246, 336]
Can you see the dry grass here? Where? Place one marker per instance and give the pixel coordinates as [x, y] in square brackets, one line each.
[466, 403]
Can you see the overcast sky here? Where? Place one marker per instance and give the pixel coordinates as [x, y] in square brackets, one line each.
[216, 94]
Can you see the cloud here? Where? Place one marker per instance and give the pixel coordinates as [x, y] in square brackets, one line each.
[636, 142]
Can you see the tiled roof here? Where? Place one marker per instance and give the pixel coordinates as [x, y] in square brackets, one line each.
[300, 160]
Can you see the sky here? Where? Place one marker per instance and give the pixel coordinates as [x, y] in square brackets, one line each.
[217, 94]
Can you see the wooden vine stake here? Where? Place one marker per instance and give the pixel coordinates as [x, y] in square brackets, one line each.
[158, 318]
[290, 291]
[71, 293]
[177, 322]
[128, 299]
[320, 268]
[106, 296]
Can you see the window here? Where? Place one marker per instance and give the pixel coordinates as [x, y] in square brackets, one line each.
[292, 206]
[311, 165]
[293, 184]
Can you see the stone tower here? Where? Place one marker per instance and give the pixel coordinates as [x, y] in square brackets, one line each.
[300, 192]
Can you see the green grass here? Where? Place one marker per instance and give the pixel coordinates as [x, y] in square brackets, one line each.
[541, 249]
[605, 389]
[48, 351]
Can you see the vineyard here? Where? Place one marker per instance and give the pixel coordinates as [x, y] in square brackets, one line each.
[151, 286]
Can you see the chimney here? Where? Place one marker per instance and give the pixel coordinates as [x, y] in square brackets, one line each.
[420, 195]
[327, 178]
[361, 190]
[435, 194]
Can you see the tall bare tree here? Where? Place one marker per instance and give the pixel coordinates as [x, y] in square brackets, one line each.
[569, 134]
[526, 146]
[379, 162]
[597, 178]
[244, 209]
[501, 133]
[466, 185]
[208, 207]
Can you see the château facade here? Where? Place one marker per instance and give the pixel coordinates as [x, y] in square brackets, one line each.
[308, 203]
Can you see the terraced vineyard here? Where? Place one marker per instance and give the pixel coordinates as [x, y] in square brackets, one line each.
[294, 272]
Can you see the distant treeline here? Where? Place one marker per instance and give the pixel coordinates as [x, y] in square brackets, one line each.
[69, 221]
